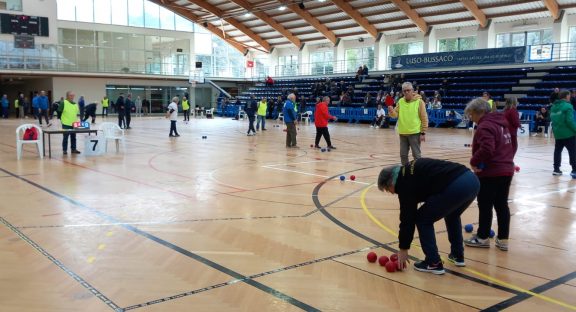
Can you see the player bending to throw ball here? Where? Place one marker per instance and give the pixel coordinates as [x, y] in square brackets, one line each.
[446, 189]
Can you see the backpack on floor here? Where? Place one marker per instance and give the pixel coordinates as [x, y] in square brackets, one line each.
[30, 134]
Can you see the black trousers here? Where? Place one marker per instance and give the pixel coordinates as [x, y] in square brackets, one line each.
[65, 139]
[322, 131]
[43, 113]
[251, 124]
[121, 120]
[128, 118]
[187, 115]
[173, 130]
[570, 145]
[91, 114]
[104, 111]
[494, 194]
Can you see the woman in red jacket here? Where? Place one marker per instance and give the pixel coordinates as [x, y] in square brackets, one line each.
[511, 115]
[321, 117]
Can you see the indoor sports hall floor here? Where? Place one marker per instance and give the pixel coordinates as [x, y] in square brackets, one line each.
[237, 223]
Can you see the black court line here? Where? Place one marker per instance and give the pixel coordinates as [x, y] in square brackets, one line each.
[408, 285]
[59, 264]
[205, 261]
[375, 242]
[523, 296]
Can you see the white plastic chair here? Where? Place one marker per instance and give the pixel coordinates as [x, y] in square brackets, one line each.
[241, 114]
[111, 131]
[306, 117]
[280, 117]
[20, 141]
[210, 113]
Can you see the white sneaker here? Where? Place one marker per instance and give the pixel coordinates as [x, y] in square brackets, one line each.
[502, 244]
[371, 126]
[545, 135]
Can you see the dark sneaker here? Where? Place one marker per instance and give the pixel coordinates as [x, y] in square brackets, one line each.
[171, 135]
[573, 174]
[64, 153]
[436, 268]
[458, 261]
[75, 152]
[317, 146]
[331, 147]
[557, 173]
[475, 241]
[177, 135]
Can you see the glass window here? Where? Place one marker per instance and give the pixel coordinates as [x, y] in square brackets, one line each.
[152, 43]
[137, 42]
[85, 11]
[11, 5]
[322, 62]
[502, 40]
[104, 39]
[85, 37]
[456, 44]
[136, 13]
[66, 10]
[121, 40]
[67, 36]
[166, 19]
[468, 43]
[287, 65]
[120, 13]
[202, 44]
[183, 24]
[406, 48]
[151, 15]
[206, 63]
[355, 58]
[102, 11]
[518, 39]
[533, 38]
[547, 36]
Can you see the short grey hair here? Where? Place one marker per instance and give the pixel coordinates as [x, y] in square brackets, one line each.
[407, 84]
[511, 102]
[326, 99]
[477, 106]
[292, 96]
[386, 178]
[175, 99]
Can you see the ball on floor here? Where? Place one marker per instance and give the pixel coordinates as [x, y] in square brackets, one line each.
[468, 228]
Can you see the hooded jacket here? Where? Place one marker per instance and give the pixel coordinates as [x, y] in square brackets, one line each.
[492, 147]
[562, 116]
[322, 115]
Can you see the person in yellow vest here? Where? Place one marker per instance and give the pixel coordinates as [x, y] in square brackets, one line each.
[412, 122]
[68, 113]
[186, 109]
[262, 109]
[17, 107]
[105, 103]
[486, 96]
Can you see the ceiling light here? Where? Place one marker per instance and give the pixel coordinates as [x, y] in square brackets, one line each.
[321, 0]
[248, 14]
[282, 8]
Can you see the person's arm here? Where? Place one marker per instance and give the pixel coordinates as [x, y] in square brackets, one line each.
[60, 109]
[408, 210]
[485, 140]
[515, 121]
[393, 111]
[570, 119]
[423, 117]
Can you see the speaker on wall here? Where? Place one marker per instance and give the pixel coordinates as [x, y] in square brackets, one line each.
[198, 64]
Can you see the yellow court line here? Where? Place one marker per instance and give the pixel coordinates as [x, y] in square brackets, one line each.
[481, 275]
[101, 246]
[91, 259]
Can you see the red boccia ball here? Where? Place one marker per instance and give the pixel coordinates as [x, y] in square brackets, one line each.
[391, 266]
[383, 260]
[372, 256]
[394, 257]
[352, 177]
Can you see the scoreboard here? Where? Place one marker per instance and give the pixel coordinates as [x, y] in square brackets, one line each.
[23, 25]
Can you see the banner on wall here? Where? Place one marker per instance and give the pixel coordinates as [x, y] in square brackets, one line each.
[515, 55]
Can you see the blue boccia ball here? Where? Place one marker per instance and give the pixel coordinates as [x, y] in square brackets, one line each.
[323, 150]
[468, 228]
[342, 178]
[492, 233]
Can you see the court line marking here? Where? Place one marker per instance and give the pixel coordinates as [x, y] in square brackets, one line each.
[60, 265]
[267, 289]
[482, 275]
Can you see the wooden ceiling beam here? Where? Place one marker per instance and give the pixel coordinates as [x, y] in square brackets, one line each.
[356, 16]
[270, 22]
[552, 6]
[413, 15]
[476, 12]
[196, 19]
[232, 21]
[314, 22]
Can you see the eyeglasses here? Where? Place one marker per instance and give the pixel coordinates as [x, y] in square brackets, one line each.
[408, 90]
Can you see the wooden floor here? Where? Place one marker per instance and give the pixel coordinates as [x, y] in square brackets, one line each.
[237, 223]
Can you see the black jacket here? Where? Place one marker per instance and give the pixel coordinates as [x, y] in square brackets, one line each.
[416, 182]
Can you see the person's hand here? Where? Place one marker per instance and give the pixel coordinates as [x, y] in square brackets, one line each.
[403, 259]
[335, 118]
[476, 169]
[422, 138]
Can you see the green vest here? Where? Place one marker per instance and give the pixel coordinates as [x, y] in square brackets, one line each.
[408, 116]
[185, 105]
[69, 113]
[16, 103]
[105, 102]
[262, 108]
[491, 103]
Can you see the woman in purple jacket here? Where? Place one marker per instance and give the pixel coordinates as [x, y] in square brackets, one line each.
[492, 161]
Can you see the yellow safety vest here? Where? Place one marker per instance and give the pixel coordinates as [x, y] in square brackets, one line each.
[491, 103]
[69, 113]
[185, 105]
[16, 103]
[105, 102]
[408, 116]
[262, 108]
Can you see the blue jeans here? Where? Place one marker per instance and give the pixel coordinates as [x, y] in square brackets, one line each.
[263, 119]
[449, 205]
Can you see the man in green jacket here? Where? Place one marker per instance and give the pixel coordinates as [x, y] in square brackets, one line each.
[564, 128]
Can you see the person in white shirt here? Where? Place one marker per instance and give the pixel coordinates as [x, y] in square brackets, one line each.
[380, 115]
[172, 113]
